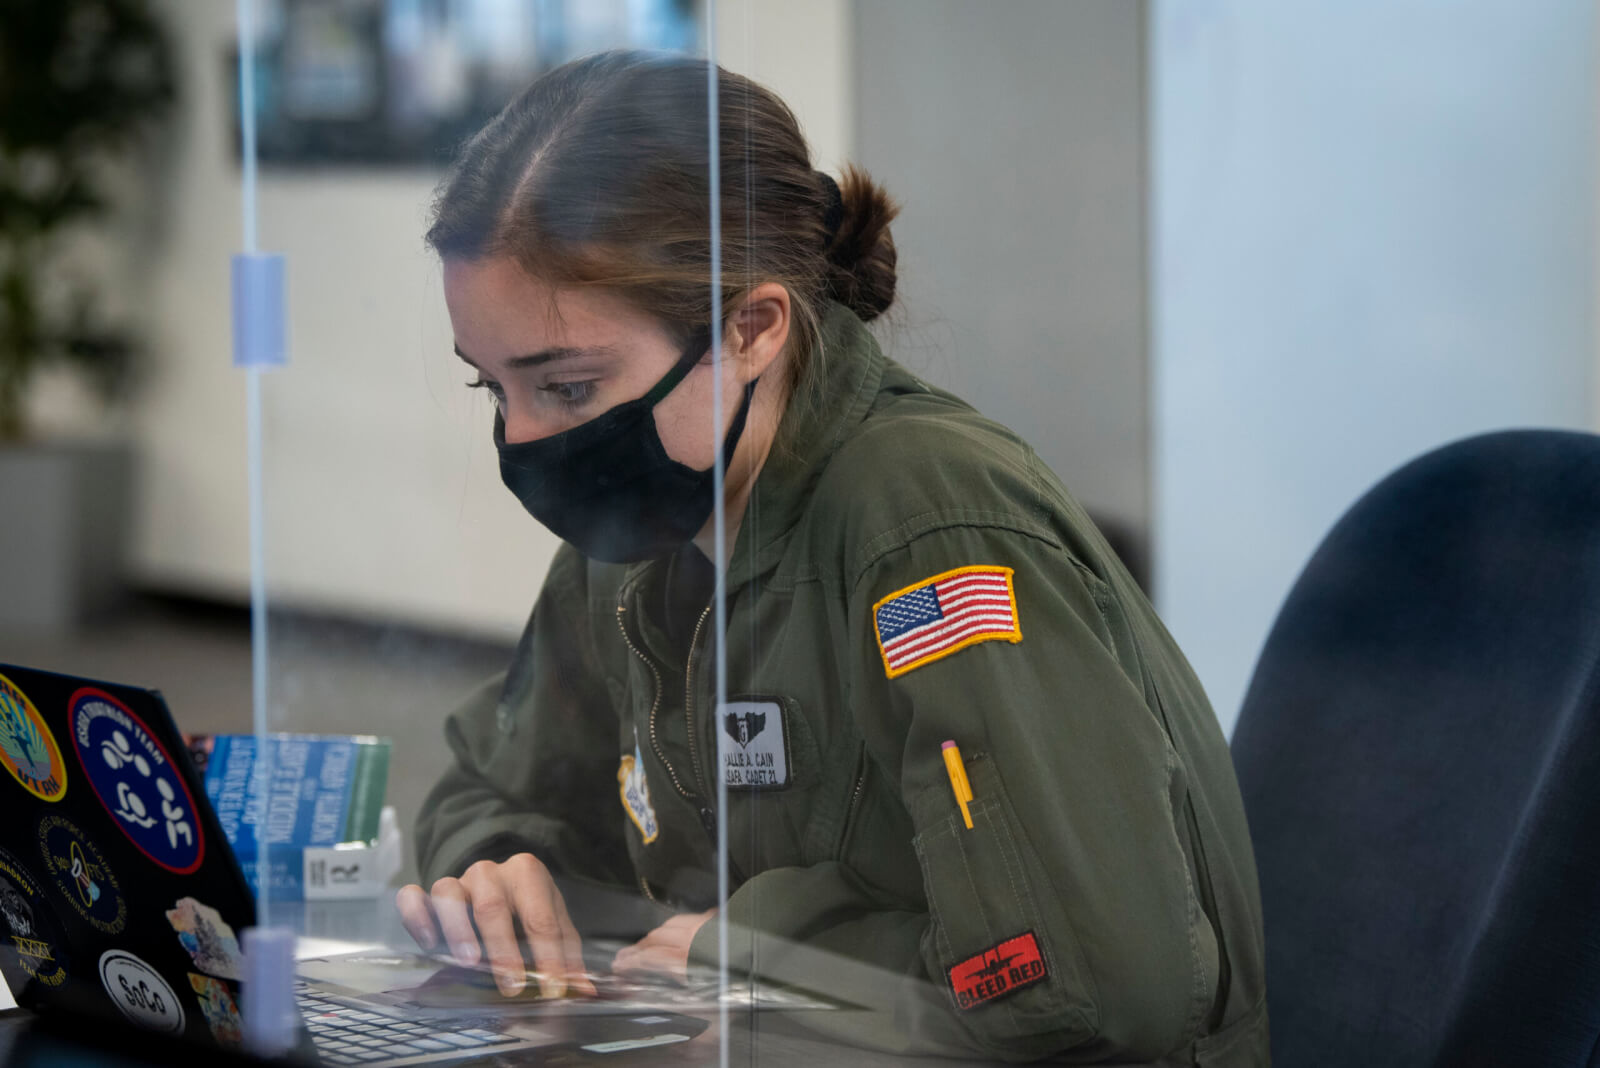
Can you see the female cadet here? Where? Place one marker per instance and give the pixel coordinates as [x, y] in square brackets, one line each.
[903, 572]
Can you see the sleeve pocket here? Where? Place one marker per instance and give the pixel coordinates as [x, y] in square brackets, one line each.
[990, 943]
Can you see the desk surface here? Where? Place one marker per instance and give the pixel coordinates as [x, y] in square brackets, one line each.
[754, 1038]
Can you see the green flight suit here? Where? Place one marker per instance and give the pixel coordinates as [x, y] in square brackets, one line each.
[1109, 852]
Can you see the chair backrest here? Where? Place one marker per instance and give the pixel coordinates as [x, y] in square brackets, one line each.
[1419, 753]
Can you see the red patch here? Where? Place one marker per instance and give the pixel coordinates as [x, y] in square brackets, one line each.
[996, 972]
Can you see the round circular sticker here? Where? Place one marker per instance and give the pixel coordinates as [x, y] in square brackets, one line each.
[31, 946]
[140, 992]
[27, 748]
[135, 779]
[82, 874]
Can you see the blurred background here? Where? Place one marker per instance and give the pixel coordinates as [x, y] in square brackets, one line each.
[1224, 263]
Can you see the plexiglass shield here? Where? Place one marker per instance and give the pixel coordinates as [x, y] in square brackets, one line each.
[733, 531]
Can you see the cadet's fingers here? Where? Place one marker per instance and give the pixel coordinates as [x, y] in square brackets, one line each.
[491, 914]
[531, 891]
[450, 906]
[537, 911]
[650, 958]
[412, 902]
[577, 971]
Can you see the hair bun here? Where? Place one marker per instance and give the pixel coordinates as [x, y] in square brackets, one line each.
[861, 256]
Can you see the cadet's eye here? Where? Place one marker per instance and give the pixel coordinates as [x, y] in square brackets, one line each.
[493, 388]
[571, 394]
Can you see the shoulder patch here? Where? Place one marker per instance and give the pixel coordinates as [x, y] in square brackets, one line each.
[944, 614]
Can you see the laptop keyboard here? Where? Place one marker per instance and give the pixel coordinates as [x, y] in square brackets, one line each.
[345, 1034]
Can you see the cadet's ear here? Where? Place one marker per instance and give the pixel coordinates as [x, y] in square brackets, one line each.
[757, 329]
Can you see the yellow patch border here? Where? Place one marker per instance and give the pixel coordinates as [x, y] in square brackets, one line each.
[623, 771]
[58, 760]
[1015, 637]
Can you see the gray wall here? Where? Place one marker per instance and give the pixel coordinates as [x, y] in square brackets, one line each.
[1013, 135]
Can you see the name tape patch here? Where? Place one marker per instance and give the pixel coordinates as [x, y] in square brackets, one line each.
[998, 971]
[754, 745]
[931, 619]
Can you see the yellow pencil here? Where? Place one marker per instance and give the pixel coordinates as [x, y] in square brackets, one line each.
[958, 779]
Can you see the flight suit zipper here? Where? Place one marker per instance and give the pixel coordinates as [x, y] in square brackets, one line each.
[708, 818]
[688, 709]
[855, 798]
[655, 705]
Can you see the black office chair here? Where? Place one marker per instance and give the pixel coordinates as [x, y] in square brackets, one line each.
[1419, 752]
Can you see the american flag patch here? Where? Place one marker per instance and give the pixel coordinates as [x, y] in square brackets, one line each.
[942, 614]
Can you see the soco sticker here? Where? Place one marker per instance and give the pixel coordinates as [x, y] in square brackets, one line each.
[140, 992]
[27, 748]
[31, 947]
[82, 874]
[136, 781]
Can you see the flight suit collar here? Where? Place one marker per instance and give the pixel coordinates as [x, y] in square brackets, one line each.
[816, 421]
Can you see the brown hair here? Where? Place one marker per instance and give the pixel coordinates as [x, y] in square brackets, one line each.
[598, 174]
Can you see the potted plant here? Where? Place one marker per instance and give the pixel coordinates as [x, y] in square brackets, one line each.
[81, 81]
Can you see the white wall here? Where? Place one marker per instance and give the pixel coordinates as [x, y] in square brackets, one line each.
[1373, 232]
[383, 494]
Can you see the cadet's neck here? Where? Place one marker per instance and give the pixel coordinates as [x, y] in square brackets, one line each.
[739, 480]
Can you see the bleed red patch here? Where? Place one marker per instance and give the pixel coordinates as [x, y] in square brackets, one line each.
[996, 972]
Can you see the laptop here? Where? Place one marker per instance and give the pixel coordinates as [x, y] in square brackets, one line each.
[119, 894]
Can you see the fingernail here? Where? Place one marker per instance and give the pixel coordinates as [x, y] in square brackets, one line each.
[510, 983]
[553, 987]
[466, 952]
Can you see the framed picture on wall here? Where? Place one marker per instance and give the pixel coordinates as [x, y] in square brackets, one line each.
[403, 82]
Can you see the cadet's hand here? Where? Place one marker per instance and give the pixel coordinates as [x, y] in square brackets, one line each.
[664, 951]
[492, 896]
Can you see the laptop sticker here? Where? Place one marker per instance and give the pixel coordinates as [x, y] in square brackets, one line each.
[31, 946]
[27, 748]
[135, 779]
[221, 1012]
[140, 993]
[207, 938]
[82, 875]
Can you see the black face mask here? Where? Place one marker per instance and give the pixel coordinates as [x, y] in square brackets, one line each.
[608, 486]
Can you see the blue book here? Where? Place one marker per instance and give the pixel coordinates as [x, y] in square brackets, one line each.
[312, 808]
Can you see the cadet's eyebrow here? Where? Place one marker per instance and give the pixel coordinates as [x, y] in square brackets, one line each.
[534, 359]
